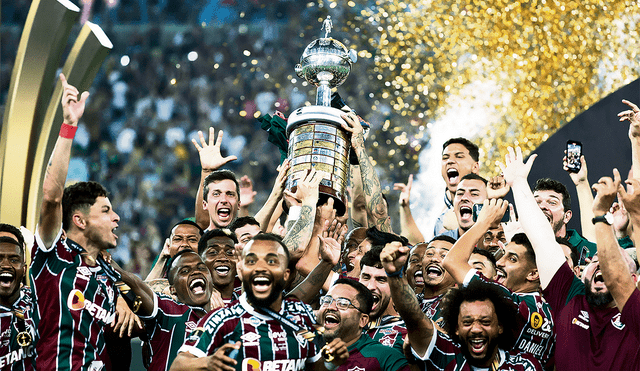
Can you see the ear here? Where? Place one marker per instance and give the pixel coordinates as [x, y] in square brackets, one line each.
[500, 329]
[533, 275]
[78, 220]
[475, 169]
[567, 217]
[287, 272]
[364, 320]
[172, 289]
[204, 204]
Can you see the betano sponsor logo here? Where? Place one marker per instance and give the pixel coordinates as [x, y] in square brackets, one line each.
[16, 356]
[77, 301]
[252, 364]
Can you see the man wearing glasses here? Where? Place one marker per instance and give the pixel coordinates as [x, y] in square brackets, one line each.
[344, 313]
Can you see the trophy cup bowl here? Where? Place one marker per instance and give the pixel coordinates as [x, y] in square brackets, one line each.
[322, 57]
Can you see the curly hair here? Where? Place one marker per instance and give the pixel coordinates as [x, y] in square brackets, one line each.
[80, 196]
[506, 309]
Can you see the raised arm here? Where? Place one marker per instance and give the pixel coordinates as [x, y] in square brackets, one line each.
[264, 215]
[139, 288]
[56, 173]
[210, 159]
[357, 202]
[408, 226]
[549, 256]
[376, 207]
[585, 197]
[298, 235]
[457, 260]
[615, 270]
[420, 328]
[633, 116]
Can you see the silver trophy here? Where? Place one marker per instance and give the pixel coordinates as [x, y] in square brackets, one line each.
[316, 137]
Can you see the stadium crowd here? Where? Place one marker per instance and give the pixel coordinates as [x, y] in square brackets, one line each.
[294, 285]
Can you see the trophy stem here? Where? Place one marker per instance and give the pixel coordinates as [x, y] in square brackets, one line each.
[323, 94]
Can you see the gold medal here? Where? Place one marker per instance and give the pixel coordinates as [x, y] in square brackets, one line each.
[308, 335]
[325, 353]
[23, 339]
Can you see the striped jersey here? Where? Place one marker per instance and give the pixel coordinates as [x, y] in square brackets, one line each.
[389, 331]
[267, 344]
[367, 354]
[73, 302]
[443, 354]
[537, 335]
[431, 307]
[13, 356]
[167, 327]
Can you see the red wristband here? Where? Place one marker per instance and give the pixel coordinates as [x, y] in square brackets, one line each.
[68, 131]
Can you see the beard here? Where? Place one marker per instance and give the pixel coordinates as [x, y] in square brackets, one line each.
[278, 287]
[597, 299]
[480, 362]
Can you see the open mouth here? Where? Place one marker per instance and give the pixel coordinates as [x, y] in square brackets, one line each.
[418, 278]
[331, 320]
[477, 346]
[222, 270]
[224, 212]
[501, 275]
[376, 301]
[197, 286]
[598, 280]
[6, 279]
[434, 271]
[452, 175]
[114, 232]
[466, 212]
[261, 283]
[548, 216]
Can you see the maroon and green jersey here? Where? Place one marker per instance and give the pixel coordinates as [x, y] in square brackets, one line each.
[167, 327]
[368, 354]
[388, 331]
[13, 356]
[591, 338]
[431, 307]
[443, 354]
[267, 344]
[73, 302]
[536, 332]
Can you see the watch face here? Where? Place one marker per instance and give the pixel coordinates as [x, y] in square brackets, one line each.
[609, 218]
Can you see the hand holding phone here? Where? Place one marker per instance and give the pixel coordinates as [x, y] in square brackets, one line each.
[476, 211]
[573, 153]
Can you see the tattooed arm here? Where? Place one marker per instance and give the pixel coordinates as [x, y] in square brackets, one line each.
[420, 328]
[377, 212]
[358, 202]
[298, 236]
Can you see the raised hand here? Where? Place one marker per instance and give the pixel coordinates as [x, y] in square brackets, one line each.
[633, 115]
[631, 198]
[307, 191]
[492, 210]
[247, 193]
[497, 187]
[220, 361]
[354, 127]
[620, 218]
[338, 349]
[72, 108]
[331, 241]
[581, 175]
[514, 167]
[394, 256]
[405, 191]
[210, 156]
[606, 190]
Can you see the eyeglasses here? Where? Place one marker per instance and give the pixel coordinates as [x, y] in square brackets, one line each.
[341, 303]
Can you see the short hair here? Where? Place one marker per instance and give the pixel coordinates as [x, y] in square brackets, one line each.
[187, 222]
[473, 176]
[243, 221]
[548, 184]
[4, 227]
[573, 254]
[442, 237]
[522, 240]
[273, 237]
[173, 260]
[477, 290]
[474, 152]
[12, 241]
[486, 254]
[218, 232]
[81, 195]
[379, 238]
[364, 295]
[372, 257]
[218, 176]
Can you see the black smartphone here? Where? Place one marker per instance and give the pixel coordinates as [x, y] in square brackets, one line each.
[476, 210]
[574, 152]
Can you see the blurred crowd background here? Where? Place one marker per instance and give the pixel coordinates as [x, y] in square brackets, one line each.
[178, 67]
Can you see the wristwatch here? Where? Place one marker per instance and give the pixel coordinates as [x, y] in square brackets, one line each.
[606, 218]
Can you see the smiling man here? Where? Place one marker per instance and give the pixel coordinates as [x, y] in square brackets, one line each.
[414, 272]
[261, 325]
[168, 322]
[217, 249]
[344, 313]
[221, 193]
[15, 305]
[437, 281]
[479, 318]
[471, 190]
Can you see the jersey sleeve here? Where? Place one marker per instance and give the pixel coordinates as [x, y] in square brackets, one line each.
[563, 287]
[56, 256]
[394, 360]
[209, 334]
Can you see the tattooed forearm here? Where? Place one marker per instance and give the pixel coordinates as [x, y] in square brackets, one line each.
[158, 285]
[298, 236]
[376, 207]
[406, 303]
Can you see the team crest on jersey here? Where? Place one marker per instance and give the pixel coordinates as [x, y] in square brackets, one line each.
[616, 322]
[6, 333]
[294, 318]
[387, 340]
[301, 339]
[250, 339]
[356, 369]
[536, 320]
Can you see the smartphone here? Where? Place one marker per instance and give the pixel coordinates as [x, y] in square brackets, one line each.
[574, 152]
[478, 207]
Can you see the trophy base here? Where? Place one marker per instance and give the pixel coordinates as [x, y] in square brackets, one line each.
[317, 141]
